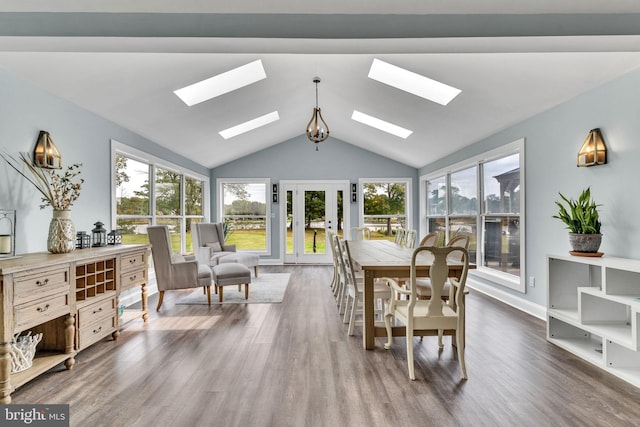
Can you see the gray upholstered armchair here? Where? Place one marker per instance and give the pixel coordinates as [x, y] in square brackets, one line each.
[173, 271]
[208, 243]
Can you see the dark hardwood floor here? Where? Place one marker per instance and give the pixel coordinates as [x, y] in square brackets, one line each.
[292, 364]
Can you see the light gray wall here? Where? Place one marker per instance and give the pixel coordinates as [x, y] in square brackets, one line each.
[552, 141]
[81, 137]
[296, 159]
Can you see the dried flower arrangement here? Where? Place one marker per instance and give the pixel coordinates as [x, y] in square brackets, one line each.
[59, 190]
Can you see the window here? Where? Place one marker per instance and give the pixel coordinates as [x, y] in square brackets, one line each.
[483, 197]
[148, 191]
[243, 206]
[385, 206]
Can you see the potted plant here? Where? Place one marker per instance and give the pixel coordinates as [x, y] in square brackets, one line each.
[583, 221]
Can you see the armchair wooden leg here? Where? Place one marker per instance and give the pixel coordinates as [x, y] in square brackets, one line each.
[255, 270]
[246, 291]
[209, 295]
[220, 288]
[160, 298]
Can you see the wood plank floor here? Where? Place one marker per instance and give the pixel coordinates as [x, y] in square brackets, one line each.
[292, 364]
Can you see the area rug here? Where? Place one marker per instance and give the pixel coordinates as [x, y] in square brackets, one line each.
[267, 288]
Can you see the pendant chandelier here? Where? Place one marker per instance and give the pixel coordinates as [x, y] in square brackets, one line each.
[317, 129]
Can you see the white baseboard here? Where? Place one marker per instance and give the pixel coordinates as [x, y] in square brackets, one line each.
[521, 304]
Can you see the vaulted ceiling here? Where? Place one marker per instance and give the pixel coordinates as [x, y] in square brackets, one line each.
[512, 59]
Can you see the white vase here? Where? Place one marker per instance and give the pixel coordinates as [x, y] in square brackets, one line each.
[62, 233]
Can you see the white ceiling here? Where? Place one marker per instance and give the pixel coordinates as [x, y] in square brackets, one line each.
[506, 76]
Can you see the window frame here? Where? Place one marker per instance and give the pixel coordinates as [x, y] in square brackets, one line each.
[408, 199]
[508, 280]
[154, 163]
[268, 201]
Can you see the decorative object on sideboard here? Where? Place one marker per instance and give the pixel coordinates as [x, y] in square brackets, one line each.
[99, 235]
[83, 240]
[7, 233]
[23, 350]
[317, 128]
[62, 232]
[46, 154]
[593, 151]
[114, 237]
[58, 190]
[583, 222]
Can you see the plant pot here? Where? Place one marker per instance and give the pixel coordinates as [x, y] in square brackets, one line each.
[587, 243]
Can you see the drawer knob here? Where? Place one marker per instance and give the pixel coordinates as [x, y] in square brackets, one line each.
[132, 278]
[43, 309]
[97, 311]
[132, 260]
[42, 282]
[97, 331]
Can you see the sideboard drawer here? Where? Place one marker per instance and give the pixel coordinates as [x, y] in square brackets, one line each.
[93, 332]
[40, 283]
[131, 262]
[32, 314]
[133, 278]
[95, 312]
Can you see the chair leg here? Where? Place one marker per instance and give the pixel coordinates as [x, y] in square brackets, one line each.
[220, 288]
[460, 343]
[255, 270]
[209, 295]
[440, 343]
[160, 298]
[347, 301]
[239, 288]
[387, 324]
[352, 318]
[246, 291]
[412, 374]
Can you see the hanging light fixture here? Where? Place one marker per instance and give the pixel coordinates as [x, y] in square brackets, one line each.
[46, 154]
[317, 129]
[593, 151]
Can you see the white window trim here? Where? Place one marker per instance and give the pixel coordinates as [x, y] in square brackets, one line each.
[515, 147]
[139, 155]
[408, 197]
[268, 197]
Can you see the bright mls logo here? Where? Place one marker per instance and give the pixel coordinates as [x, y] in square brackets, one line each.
[35, 415]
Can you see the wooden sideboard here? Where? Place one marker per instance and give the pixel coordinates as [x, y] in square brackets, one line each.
[72, 299]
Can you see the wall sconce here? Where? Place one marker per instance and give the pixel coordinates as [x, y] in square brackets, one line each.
[354, 193]
[593, 151]
[7, 233]
[46, 154]
[274, 193]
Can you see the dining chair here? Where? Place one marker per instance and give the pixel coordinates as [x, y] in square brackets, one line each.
[355, 289]
[430, 239]
[360, 233]
[410, 237]
[433, 314]
[399, 239]
[336, 268]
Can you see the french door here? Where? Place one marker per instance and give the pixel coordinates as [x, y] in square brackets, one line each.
[308, 210]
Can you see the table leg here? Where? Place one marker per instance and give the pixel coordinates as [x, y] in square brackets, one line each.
[368, 321]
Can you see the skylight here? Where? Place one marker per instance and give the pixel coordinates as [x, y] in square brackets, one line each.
[222, 83]
[381, 124]
[411, 82]
[250, 125]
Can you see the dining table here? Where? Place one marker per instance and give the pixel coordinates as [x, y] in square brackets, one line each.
[383, 258]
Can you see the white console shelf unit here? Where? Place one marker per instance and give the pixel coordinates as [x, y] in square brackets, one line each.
[593, 311]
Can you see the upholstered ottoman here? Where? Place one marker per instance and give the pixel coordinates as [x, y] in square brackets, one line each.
[231, 274]
[245, 258]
